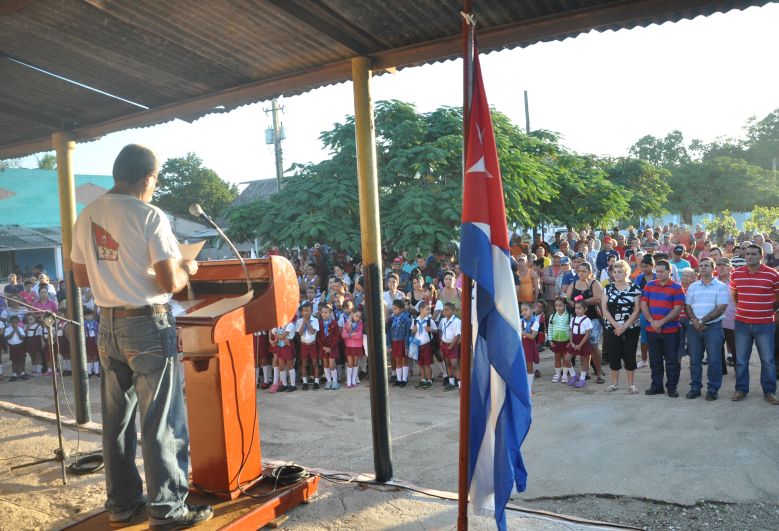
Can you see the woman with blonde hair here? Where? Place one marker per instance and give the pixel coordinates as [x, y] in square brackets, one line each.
[621, 305]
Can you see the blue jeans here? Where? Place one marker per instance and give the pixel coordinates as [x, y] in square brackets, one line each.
[664, 358]
[684, 350]
[141, 370]
[762, 335]
[709, 340]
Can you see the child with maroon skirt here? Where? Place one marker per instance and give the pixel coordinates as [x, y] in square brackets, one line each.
[580, 341]
[90, 338]
[307, 328]
[14, 337]
[33, 333]
[63, 343]
[328, 340]
[422, 330]
[351, 333]
[285, 352]
[262, 359]
[529, 324]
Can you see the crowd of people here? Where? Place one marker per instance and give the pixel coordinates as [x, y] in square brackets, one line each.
[627, 299]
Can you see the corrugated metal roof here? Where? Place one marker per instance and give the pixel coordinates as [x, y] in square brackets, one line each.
[184, 59]
[14, 237]
[259, 189]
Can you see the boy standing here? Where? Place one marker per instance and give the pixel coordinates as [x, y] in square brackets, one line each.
[400, 330]
[308, 327]
[450, 345]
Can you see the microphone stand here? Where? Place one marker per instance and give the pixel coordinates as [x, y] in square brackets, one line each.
[49, 320]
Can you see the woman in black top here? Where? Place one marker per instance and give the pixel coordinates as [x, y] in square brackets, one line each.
[621, 307]
[589, 288]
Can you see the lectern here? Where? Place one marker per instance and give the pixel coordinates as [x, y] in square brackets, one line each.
[216, 320]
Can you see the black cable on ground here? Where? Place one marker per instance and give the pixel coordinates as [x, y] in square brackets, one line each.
[88, 464]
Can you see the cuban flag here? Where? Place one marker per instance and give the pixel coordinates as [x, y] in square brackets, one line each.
[500, 399]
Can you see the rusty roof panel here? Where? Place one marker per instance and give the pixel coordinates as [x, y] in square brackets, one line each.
[186, 59]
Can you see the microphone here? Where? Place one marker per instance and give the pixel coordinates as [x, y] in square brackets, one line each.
[197, 211]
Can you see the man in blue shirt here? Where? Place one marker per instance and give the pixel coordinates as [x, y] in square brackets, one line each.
[602, 260]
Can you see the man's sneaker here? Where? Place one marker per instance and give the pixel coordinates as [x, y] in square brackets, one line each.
[580, 383]
[692, 394]
[316, 386]
[304, 387]
[192, 516]
[136, 515]
[335, 385]
[652, 391]
[641, 364]
[711, 396]
[771, 399]
[738, 396]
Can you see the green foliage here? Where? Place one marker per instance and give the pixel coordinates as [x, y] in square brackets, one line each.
[47, 162]
[762, 219]
[419, 159]
[724, 221]
[665, 152]
[9, 163]
[646, 183]
[184, 180]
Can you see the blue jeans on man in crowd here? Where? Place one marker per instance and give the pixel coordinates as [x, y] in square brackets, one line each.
[762, 335]
[709, 340]
[141, 370]
[684, 349]
[664, 358]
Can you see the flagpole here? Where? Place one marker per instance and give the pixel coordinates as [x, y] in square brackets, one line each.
[465, 302]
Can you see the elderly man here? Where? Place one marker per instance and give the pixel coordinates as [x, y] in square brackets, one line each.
[551, 280]
[705, 302]
[565, 248]
[755, 288]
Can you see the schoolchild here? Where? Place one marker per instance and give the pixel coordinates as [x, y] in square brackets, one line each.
[63, 343]
[328, 339]
[14, 336]
[33, 334]
[285, 352]
[560, 336]
[351, 333]
[450, 327]
[422, 330]
[580, 341]
[530, 326]
[263, 359]
[400, 330]
[90, 339]
[308, 327]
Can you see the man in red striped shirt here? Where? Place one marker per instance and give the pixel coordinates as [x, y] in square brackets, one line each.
[755, 289]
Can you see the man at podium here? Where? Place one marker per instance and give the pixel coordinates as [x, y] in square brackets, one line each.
[125, 250]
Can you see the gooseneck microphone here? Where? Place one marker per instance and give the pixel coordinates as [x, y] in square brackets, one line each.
[196, 210]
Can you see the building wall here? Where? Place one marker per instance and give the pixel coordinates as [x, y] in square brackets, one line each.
[30, 257]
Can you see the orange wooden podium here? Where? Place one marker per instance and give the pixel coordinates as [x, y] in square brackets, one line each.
[217, 319]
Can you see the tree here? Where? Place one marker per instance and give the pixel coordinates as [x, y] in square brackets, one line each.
[419, 158]
[646, 183]
[762, 219]
[724, 224]
[47, 162]
[9, 163]
[662, 152]
[184, 180]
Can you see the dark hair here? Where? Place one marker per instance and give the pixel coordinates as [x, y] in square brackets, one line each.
[134, 163]
[398, 303]
[665, 263]
[306, 304]
[756, 246]
[448, 273]
[450, 305]
[325, 306]
[647, 259]
[88, 311]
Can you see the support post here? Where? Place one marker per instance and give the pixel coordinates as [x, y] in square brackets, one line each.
[64, 145]
[368, 190]
[465, 301]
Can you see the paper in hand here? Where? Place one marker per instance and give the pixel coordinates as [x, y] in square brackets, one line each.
[189, 251]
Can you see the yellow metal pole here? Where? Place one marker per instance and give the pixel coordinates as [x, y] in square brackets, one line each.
[64, 144]
[368, 190]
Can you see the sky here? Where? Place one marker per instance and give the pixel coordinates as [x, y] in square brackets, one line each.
[600, 91]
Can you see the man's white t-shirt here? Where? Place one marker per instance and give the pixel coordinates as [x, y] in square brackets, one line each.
[119, 238]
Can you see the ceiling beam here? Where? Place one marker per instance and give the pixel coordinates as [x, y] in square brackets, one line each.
[52, 122]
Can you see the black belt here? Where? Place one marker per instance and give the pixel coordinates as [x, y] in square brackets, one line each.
[120, 312]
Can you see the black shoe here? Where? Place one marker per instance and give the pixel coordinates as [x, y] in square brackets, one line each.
[651, 391]
[537, 374]
[705, 362]
[193, 515]
[304, 387]
[24, 377]
[316, 386]
[692, 394]
[361, 374]
[396, 383]
[13, 378]
[281, 389]
[393, 379]
[445, 381]
[291, 389]
[711, 396]
[731, 361]
[403, 384]
[672, 393]
[138, 516]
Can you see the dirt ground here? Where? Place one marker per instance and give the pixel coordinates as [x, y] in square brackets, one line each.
[648, 462]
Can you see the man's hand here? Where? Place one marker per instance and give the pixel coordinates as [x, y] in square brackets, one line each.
[190, 266]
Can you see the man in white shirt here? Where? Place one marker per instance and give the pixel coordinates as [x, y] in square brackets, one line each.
[125, 250]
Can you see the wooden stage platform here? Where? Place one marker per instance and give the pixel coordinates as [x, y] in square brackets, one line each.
[241, 514]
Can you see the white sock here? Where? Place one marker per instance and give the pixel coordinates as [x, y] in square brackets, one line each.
[399, 374]
[363, 363]
[327, 374]
[97, 367]
[349, 371]
[571, 371]
[267, 370]
[405, 374]
[283, 375]
[451, 381]
[530, 378]
[583, 375]
[316, 380]
[558, 371]
[276, 375]
[305, 379]
[334, 374]
[256, 374]
[442, 366]
[292, 377]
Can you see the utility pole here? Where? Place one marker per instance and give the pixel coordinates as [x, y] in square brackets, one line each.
[274, 136]
[527, 130]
